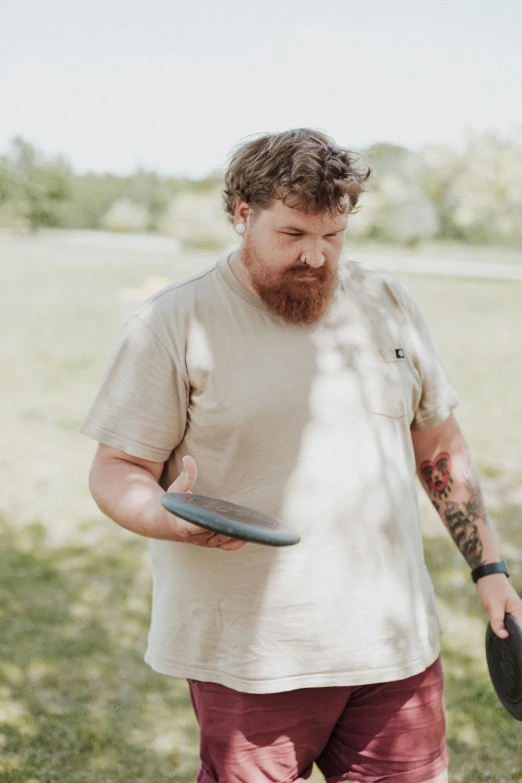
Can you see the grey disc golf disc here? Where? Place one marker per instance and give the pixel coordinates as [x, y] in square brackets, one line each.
[232, 520]
[504, 657]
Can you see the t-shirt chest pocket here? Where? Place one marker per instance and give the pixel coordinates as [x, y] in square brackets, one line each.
[386, 379]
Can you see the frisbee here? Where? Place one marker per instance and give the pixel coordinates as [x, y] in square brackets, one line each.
[232, 520]
[504, 657]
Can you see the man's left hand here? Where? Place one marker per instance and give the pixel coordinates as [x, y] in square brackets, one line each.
[499, 597]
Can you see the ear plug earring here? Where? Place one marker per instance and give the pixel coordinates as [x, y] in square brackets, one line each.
[240, 228]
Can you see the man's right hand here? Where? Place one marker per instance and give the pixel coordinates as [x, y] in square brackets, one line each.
[194, 534]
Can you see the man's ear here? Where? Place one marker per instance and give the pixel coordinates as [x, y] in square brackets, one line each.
[242, 212]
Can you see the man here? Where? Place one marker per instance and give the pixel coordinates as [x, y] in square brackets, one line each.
[309, 389]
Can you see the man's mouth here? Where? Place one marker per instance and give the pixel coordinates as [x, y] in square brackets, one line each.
[303, 275]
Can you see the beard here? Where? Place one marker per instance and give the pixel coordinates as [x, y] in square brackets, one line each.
[297, 301]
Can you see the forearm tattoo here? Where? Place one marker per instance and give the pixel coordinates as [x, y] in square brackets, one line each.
[460, 517]
[437, 475]
[475, 505]
[464, 532]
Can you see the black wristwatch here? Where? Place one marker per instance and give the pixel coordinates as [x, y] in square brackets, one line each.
[489, 568]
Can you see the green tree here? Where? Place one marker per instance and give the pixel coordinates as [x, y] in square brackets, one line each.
[396, 206]
[6, 185]
[90, 198]
[36, 187]
[485, 195]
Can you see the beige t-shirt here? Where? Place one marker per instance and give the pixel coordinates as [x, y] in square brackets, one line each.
[308, 423]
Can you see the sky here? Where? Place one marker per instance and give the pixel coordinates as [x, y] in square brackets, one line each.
[174, 85]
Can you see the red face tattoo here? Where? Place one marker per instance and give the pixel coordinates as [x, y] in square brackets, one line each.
[436, 474]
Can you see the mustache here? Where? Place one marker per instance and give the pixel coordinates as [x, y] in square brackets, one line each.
[321, 274]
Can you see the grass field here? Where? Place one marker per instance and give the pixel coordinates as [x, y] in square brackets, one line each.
[77, 703]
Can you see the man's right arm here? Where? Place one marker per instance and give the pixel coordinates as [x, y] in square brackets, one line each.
[126, 489]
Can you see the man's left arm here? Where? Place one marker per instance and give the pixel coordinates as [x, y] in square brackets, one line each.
[446, 471]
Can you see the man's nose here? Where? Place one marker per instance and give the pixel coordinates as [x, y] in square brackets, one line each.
[313, 257]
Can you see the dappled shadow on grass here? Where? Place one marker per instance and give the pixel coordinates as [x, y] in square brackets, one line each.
[78, 704]
[485, 741]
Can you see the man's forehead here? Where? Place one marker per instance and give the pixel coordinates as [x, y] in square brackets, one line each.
[283, 216]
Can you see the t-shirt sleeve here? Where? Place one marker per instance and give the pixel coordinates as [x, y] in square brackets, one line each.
[141, 407]
[438, 396]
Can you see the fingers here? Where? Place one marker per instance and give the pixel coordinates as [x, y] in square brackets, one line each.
[199, 536]
[216, 541]
[514, 608]
[191, 533]
[496, 620]
[498, 597]
[517, 614]
[187, 478]
[232, 545]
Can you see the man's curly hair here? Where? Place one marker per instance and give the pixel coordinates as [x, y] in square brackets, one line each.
[303, 167]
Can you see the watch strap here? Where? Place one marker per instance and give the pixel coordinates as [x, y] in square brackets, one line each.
[489, 568]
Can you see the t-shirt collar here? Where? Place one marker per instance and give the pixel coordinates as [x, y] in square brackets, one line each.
[225, 270]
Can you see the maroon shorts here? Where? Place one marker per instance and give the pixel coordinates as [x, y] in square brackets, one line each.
[393, 731]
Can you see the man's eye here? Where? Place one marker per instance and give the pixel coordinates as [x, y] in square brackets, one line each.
[288, 234]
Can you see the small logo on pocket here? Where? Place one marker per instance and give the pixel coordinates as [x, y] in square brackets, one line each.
[399, 353]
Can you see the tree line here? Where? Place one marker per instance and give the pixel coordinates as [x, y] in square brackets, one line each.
[473, 195]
